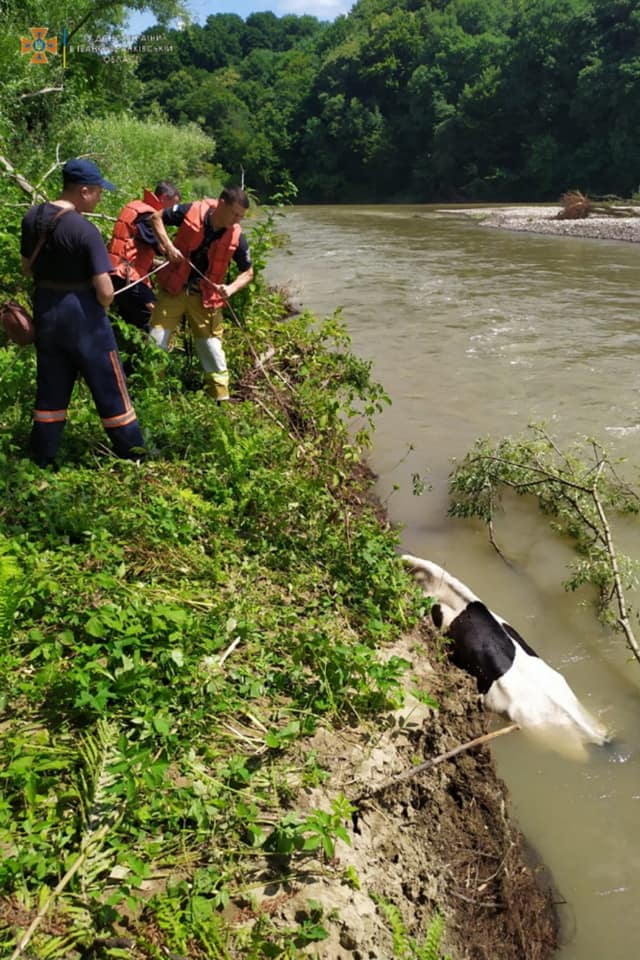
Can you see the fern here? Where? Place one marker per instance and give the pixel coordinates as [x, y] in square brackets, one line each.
[401, 944]
[430, 950]
[406, 947]
[99, 754]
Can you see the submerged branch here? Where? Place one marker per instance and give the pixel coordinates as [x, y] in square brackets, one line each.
[577, 509]
[623, 619]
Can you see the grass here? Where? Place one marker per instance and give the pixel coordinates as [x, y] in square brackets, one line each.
[172, 631]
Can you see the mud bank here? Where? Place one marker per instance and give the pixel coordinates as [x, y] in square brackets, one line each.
[542, 219]
[441, 840]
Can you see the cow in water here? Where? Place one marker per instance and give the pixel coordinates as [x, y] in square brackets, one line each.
[510, 675]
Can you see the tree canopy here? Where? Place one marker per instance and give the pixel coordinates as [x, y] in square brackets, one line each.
[419, 99]
[400, 99]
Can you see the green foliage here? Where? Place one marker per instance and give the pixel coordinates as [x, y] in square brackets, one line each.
[406, 947]
[11, 590]
[136, 153]
[180, 627]
[316, 832]
[419, 100]
[400, 99]
[576, 488]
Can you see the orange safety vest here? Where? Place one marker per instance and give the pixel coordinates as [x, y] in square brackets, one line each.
[189, 237]
[131, 257]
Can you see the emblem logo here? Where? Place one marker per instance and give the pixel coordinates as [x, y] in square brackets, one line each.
[39, 46]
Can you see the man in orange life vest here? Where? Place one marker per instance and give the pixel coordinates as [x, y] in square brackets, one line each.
[132, 248]
[209, 237]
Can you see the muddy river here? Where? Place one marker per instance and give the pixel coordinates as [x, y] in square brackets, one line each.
[478, 332]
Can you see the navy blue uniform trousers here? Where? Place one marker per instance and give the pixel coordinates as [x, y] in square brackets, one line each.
[74, 336]
[136, 304]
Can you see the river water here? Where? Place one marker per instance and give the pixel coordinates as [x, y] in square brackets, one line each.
[476, 332]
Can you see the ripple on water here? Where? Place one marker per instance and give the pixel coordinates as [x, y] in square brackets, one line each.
[624, 431]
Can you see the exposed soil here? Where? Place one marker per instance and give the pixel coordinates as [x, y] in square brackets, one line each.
[442, 839]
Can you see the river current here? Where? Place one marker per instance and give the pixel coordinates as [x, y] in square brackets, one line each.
[477, 332]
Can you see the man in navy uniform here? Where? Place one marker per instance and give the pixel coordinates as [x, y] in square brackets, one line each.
[73, 288]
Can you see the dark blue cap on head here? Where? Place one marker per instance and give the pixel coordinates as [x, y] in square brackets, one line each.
[84, 171]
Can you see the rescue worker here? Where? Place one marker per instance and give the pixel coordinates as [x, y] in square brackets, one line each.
[132, 248]
[73, 288]
[209, 237]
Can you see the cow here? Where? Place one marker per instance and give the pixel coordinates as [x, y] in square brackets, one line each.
[511, 677]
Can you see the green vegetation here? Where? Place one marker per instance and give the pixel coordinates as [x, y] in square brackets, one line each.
[406, 947]
[417, 100]
[579, 489]
[172, 631]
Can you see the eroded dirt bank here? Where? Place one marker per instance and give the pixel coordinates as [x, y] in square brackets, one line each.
[442, 839]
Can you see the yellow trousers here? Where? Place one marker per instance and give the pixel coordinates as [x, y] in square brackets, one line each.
[206, 328]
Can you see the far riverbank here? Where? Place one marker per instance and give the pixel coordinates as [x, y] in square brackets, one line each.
[543, 219]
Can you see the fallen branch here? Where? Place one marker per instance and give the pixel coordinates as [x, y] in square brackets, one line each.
[257, 400]
[22, 182]
[55, 893]
[414, 771]
[52, 168]
[574, 494]
[229, 651]
[39, 93]
[623, 619]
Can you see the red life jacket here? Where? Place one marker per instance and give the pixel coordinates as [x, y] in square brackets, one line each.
[130, 256]
[189, 237]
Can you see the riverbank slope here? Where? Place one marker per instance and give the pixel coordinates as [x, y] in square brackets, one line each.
[204, 664]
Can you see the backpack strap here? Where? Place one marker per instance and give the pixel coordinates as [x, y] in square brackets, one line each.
[45, 234]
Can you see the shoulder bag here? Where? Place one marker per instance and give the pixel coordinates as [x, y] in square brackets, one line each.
[14, 318]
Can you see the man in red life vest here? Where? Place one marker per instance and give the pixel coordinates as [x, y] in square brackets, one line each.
[209, 237]
[132, 248]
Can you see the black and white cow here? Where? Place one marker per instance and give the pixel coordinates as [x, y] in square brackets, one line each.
[510, 675]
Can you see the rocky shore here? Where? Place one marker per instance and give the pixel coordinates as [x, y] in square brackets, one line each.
[543, 219]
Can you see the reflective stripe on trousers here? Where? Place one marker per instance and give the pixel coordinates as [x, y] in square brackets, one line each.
[74, 336]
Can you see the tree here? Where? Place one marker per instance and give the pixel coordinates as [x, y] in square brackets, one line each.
[578, 489]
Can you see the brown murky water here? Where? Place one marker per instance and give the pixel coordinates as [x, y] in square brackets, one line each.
[477, 332]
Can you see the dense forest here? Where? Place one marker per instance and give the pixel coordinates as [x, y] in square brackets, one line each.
[416, 99]
[421, 100]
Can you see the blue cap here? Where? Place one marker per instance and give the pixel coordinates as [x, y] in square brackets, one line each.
[84, 171]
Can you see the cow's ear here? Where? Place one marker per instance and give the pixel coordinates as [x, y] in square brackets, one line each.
[436, 615]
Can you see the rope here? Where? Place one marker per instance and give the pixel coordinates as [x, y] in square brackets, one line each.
[211, 283]
[140, 280]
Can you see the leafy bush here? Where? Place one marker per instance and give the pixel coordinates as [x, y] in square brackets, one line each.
[138, 153]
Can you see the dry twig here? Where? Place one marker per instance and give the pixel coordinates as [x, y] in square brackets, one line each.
[434, 761]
